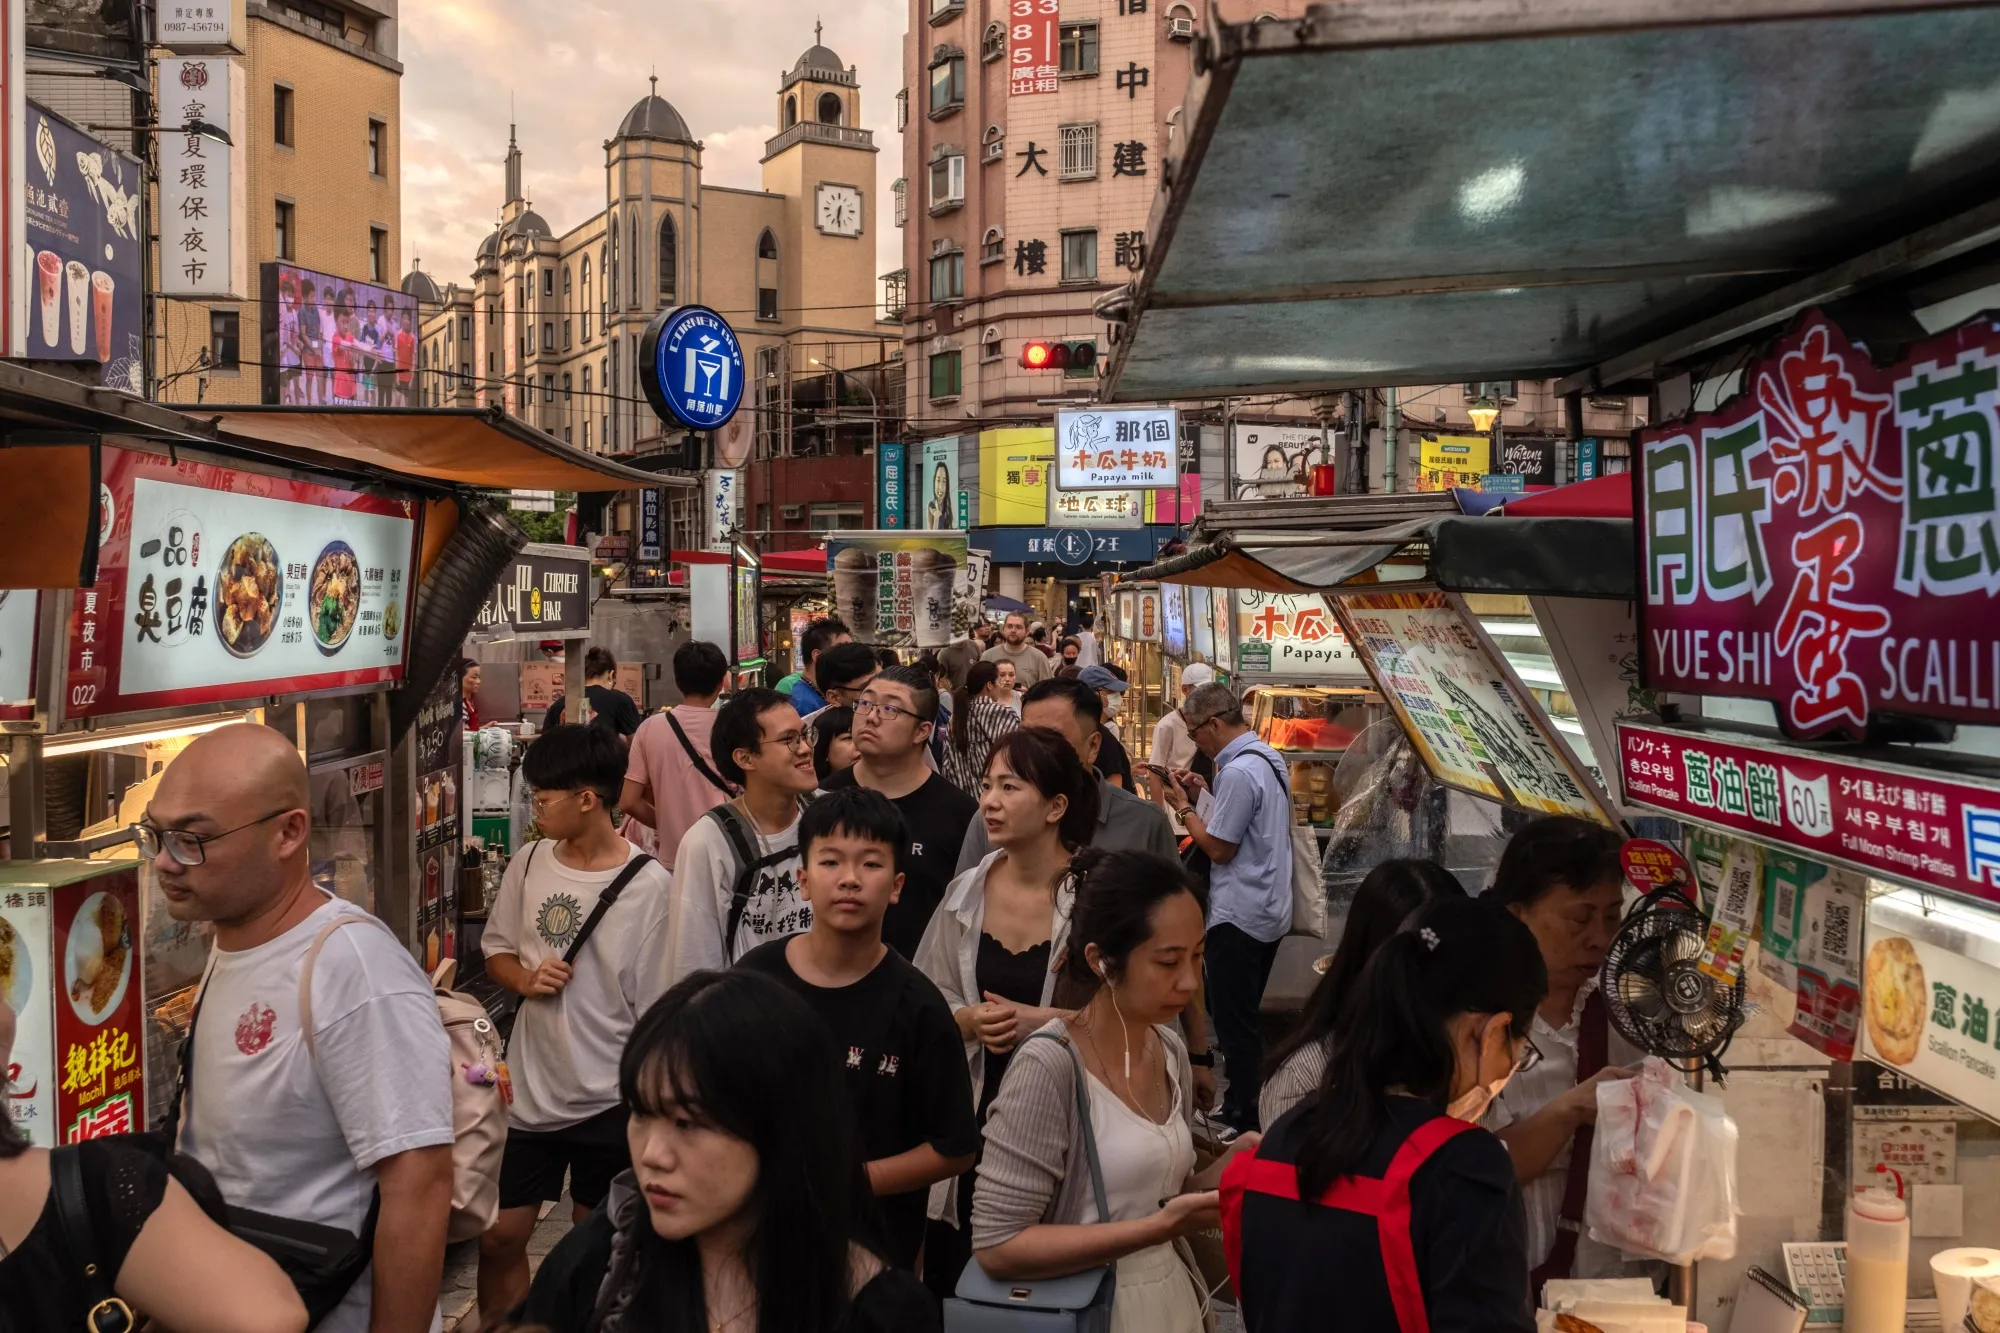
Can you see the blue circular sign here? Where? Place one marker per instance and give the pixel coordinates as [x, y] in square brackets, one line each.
[691, 368]
[1074, 546]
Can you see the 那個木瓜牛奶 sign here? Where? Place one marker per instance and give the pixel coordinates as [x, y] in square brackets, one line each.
[215, 584]
[1829, 539]
[1109, 449]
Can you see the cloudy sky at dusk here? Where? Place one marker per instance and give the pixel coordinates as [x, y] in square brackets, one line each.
[572, 81]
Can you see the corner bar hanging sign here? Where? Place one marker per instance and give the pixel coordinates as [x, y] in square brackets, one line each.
[691, 368]
[1828, 540]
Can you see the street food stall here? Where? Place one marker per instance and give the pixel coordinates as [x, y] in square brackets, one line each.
[1786, 687]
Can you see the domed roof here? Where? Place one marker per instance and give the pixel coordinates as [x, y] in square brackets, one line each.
[491, 245]
[419, 285]
[819, 57]
[652, 117]
[529, 223]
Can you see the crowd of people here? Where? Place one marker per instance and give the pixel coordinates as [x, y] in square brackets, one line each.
[814, 1027]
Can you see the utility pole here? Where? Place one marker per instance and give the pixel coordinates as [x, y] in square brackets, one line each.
[1392, 441]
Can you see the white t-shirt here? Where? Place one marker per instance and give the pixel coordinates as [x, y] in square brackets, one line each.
[1086, 649]
[563, 1056]
[704, 878]
[297, 1137]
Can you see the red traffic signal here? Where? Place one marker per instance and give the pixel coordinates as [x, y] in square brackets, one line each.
[1043, 354]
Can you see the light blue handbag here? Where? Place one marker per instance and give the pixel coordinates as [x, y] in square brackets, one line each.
[1079, 1303]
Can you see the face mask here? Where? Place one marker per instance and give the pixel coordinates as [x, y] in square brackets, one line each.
[1111, 706]
[1472, 1105]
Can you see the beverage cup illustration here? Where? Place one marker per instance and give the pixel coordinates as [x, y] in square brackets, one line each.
[48, 269]
[101, 287]
[79, 305]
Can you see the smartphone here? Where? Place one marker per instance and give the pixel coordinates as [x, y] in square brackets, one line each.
[1158, 772]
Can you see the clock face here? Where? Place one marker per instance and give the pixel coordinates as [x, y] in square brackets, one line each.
[839, 210]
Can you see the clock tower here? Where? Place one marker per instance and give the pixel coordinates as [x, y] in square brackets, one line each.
[823, 162]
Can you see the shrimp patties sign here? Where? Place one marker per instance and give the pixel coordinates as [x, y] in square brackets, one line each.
[216, 584]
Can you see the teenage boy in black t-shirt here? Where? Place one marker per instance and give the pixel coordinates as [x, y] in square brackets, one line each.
[893, 720]
[905, 1062]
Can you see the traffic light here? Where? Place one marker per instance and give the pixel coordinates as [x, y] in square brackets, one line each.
[1078, 356]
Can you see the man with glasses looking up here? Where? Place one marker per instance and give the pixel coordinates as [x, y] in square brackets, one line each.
[736, 875]
[1247, 836]
[893, 721]
[362, 1117]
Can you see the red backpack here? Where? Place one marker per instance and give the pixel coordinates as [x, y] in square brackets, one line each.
[1386, 1199]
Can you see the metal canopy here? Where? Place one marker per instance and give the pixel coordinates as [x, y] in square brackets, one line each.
[1424, 191]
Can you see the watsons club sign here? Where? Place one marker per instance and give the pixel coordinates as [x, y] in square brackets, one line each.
[1828, 540]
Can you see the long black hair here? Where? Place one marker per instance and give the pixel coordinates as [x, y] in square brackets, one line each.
[1045, 759]
[1458, 956]
[835, 721]
[1116, 896]
[1392, 891]
[739, 1052]
[977, 677]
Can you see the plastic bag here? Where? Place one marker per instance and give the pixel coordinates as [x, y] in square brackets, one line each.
[1662, 1169]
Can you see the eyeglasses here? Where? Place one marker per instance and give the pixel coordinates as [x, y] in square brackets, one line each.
[791, 740]
[189, 849]
[863, 707]
[543, 801]
[1530, 1056]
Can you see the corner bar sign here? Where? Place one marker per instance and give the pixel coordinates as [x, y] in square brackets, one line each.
[1829, 540]
[691, 367]
[1922, 826]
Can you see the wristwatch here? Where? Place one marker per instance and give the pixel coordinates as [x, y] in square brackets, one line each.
[1204, 1060]
[1182, 813]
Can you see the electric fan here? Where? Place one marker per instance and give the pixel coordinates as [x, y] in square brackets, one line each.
[1657, 997]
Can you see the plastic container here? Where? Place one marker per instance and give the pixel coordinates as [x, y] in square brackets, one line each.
[1878, 1262]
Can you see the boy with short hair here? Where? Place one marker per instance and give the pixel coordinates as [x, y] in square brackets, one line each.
[576, 1013]
[736, 871]
[904, 1057]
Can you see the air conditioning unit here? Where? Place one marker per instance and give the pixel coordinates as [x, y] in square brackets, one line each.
[792, 511]
[940, 245]
[995, 151]
[1180, 29]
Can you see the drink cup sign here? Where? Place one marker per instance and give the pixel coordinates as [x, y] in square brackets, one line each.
[691, 368]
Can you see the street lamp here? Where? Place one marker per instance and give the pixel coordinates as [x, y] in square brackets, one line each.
[1484, 412]
[875, 406]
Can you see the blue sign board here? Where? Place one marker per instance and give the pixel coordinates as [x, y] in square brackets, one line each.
[1586, 460]
[691, 367]
[1510, 483]
[889, 483]
[1074, 546]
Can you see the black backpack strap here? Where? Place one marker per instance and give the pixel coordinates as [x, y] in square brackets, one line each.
[106, 1313]
[604, 903]
[701, 765]
[740, 842]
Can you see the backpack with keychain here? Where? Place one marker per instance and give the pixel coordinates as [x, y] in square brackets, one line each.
[744, 841]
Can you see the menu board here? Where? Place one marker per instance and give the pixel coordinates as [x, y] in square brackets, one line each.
[100, 1041]
[215, 584]
[439, 753]
[28, 1080]
[1174, 601]
[1474, 724]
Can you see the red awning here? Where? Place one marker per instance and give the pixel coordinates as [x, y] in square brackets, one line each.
[1602, 497]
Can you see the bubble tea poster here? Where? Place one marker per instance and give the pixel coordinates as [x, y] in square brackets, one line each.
[83, 248]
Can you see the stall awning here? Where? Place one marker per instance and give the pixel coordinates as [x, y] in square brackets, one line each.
[1431, 191]
[459, 446]
[1533, 557]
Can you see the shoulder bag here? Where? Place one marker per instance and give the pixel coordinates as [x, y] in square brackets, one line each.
[1079, 1303]
[701, 765]
[105, 1313]
[1308, 890]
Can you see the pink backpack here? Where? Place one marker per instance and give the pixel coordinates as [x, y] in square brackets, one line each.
[478, 1116]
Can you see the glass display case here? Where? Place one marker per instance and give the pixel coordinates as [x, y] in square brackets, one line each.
[1311, 726]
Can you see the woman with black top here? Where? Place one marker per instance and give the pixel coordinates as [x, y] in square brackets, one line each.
[746, 1204]
[1001, 928]
[162, 1254]
[1414, 1219]
[1385, 900]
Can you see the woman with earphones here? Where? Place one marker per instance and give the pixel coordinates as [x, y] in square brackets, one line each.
[1133, 962]
[1412, 1219]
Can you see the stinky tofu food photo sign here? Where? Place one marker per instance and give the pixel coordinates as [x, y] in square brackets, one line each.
[216, 585]
[1828, 539]
[691, 367]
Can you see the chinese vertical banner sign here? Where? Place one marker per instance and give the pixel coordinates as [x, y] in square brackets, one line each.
[1828, 540]
[100, 1044]
[201, 191]
[1031, 47]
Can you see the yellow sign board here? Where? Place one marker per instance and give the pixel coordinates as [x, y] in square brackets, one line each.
[1453, 460]
[1014, 476]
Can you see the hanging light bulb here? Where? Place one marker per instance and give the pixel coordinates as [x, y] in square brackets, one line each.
[1484, 412]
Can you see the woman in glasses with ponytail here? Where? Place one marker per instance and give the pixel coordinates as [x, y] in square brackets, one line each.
[1132, 964]
[1412, 1218]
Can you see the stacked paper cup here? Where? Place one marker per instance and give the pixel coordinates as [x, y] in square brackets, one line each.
[1962, 1274]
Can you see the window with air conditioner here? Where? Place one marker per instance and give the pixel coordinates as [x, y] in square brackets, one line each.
[993, 248]
[994, 44]
[1078, 160]
[1180, 24]
[989, 346]
[993, 144]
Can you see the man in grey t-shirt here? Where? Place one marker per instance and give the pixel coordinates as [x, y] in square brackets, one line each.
[1031, 665]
